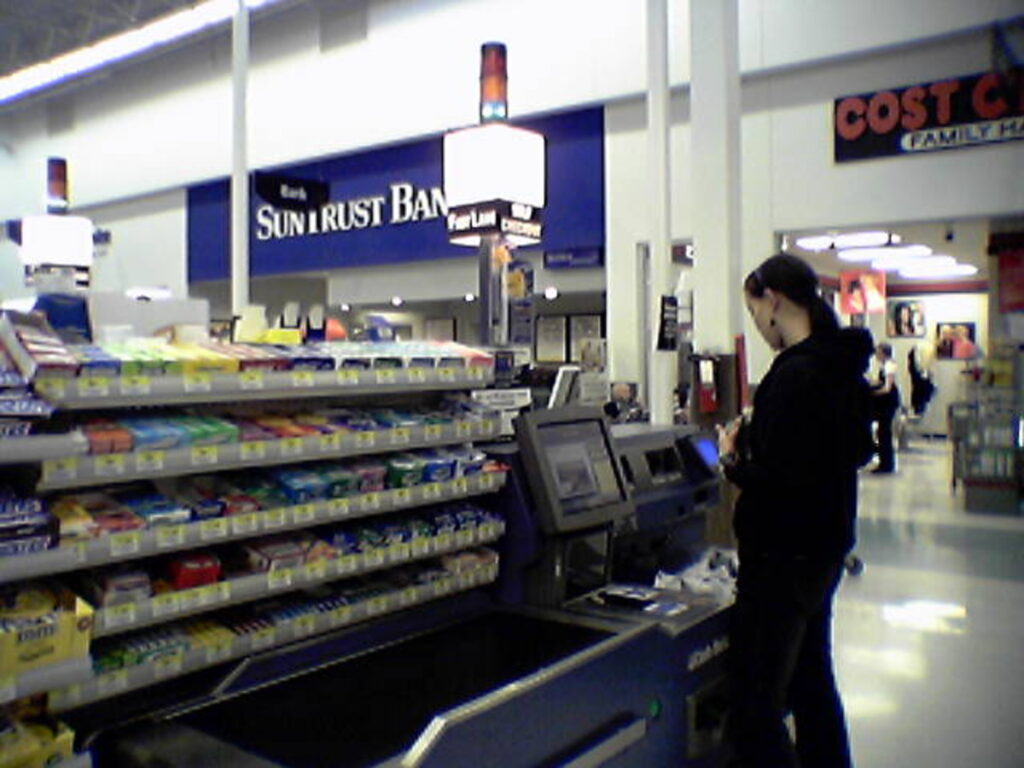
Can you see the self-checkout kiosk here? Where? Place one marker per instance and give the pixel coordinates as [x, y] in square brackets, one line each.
[558, 664]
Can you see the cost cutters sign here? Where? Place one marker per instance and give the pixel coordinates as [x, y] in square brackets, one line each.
[969, 111]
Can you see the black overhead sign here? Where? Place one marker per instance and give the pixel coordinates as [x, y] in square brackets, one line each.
[291, 193]
[969, 111]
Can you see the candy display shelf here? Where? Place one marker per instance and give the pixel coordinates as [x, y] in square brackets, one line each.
[133, 545]
[92, 687]
[32, 449]
[91, 392]
[161, 608]
[82, 471]
[44, 679]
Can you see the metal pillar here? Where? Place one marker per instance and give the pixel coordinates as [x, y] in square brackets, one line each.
[239, 160]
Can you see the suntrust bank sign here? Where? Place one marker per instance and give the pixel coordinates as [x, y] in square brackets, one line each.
[387, 206]
[402, 204]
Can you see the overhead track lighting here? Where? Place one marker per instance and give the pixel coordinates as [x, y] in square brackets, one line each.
[830, 242]
[889, 252]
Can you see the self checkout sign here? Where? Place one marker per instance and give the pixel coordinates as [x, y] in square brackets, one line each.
[970, 111]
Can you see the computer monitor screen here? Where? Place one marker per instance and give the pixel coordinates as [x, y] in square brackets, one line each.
[708, 450]
[572, 470]
[581, 465]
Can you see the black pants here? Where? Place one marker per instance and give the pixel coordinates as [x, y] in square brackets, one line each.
[781, 661]
[886, 449]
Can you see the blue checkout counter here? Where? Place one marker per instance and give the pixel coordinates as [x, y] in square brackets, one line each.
[555, 665]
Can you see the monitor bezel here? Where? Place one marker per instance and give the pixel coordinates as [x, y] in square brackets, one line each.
[552, 516]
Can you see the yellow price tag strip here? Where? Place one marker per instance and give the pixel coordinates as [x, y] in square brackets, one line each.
[109, 464]
[204, 455]
[348, 378]
[251, 379]
[217, 528]
[292, 446]
[339, 508]
[164, 605]
[417, 375]
[304, 514]
[401, 436]
[53, 389]
[242, 524]
[274, 518]
[119, 616]
[303, 379]
[112, 682]
[279, 579]
[149, 461]
[403, 496]
[93, 386]
[304, 625]
[60, 469]
[125, 544]
[315, 571]
[446, 374]
[433, 431]
[365, 440]
[169, 665]
[253, 450]
[432, 491]
[136, 385]
[198, 382]
[330, 443]
[386, 375]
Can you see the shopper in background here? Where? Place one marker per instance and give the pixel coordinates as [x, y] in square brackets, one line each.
[796, 466]
[886, 404]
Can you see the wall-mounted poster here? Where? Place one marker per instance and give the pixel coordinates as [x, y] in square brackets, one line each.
[582, 328]
[862, 292]
[905, 318]
[955, 341]
[551, 338]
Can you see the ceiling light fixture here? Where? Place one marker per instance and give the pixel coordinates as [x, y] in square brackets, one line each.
[125, 45]
[469, 297]
[551, 293]
[397, 301]
[818, 243]
[943, 266]
[870, 254]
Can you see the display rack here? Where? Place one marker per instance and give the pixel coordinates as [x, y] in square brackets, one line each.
[133, 545]
[89, 392]
[87, 688]
[64, 463]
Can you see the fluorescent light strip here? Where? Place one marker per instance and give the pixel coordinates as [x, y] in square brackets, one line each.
[847, 240]
[100, 54]
[870, 254]
[943, 266]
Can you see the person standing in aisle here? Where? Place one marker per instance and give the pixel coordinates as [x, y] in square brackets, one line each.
[795, 464]
[886, 404]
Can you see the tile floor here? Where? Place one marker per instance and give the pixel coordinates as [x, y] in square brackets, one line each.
[930, 637]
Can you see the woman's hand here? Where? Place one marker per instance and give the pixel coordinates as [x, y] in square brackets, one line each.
[727, 436]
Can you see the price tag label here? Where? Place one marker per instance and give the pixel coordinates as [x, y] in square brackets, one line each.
[198, 382]
[279, 579]
[304, 625]
[304, 514]
[119, 616]
[432, 491]
[292, 446]
[442, 587]
[365, 440]
[400, 552]
[467, 579]
[264, 638]
[477, 372]
[273, 518]
[401, 436]
[348, 378]
[420, 546]
[188, 600]
[375, 558]
[330, 443]
[165, 605]
[250, 380]
[219, 651]
[386, 375]
[80, 552]
[125, 544]
[417, 375]
[303, 379]
[136, 385]
[464, 538]
[340, 615]
[315, 571]
[242, 524]
[461, 485]
[446, 374]
[168, 665]
[339, 508]
[66, 698]
[204, 455]
[443, 542]
[464, 429]
[93, 386]
[348, 564]
[109, 464]
[56, 470]
[112, 682]
[488, 427]
[53, 389]
[369, 502]
[376, 606]
[409, 596]
[149, 461]
[253, 450]
[217, 528]
[403, 496]
[433, 431]
[207, 595]
[8, 689]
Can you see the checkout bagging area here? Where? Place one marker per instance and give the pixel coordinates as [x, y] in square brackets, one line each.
[571, 658]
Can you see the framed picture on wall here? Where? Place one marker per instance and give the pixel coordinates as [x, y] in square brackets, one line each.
[861, 292]
[905, 318]
[582, 328]
[955, 341]
[551, 339]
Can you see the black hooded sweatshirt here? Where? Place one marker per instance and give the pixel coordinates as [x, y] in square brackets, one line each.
[798, 457]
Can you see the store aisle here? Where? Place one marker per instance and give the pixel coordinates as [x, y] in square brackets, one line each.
[930, 638]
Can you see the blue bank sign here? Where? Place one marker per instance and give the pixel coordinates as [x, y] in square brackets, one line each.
[387, 206]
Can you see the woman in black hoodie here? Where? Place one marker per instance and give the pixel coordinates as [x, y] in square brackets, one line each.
[796, 465]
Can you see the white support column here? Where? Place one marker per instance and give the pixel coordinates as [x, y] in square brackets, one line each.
[715, 130]
[662, 374]
[239, 160]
